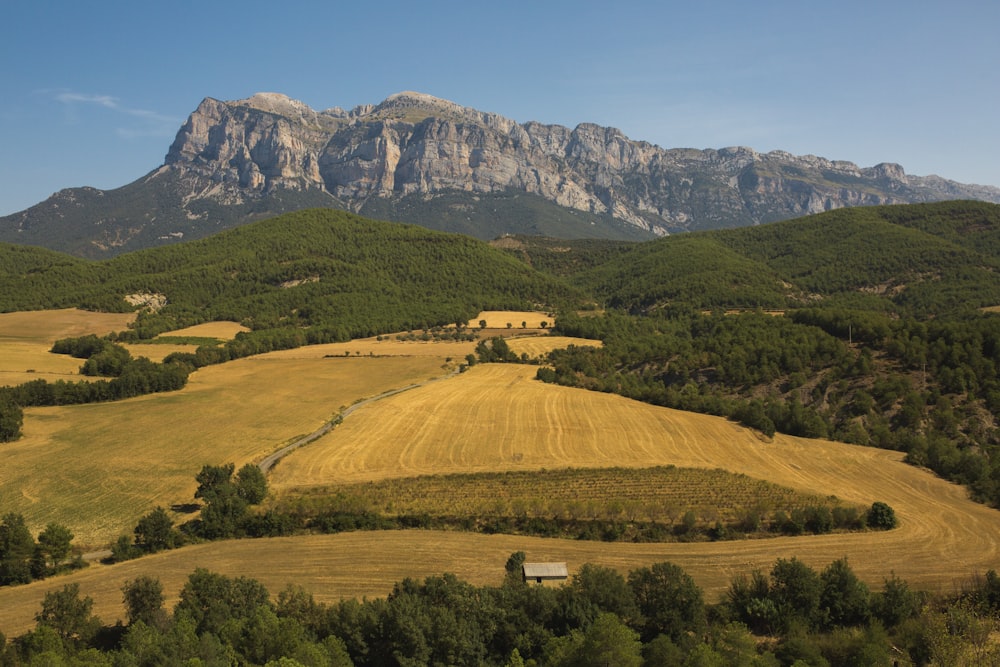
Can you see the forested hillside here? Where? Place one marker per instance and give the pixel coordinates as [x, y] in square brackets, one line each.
[880, 336]
[323, 270]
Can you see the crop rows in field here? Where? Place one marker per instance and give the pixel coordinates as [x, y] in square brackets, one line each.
[657, 494]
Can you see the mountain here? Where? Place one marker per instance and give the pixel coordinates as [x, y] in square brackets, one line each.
[416, 158]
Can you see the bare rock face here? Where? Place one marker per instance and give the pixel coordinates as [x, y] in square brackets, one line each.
[232, 162]
[417, 144]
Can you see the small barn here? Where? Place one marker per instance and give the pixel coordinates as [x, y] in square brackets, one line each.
[539, 572]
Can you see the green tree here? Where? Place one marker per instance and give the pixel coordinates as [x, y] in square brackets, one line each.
[881, 516]
[669, 601]
[56, 542]
[251, 484]
[595, 589]
[155, 531]
[17, 548]
[795, 591]
[11, 419]
[845, 599]
[608, 641]
[143, 600]
[69, 615]
[213, 480]
[513, 567]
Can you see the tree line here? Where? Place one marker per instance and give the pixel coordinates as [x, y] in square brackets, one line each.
[24, 559]
[653, 616]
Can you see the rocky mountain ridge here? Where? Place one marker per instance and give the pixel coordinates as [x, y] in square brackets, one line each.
[418, 158]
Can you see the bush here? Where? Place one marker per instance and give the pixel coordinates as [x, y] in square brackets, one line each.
[881, 516]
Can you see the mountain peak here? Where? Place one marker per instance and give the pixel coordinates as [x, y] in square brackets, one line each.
[419, 158]
[275, 103]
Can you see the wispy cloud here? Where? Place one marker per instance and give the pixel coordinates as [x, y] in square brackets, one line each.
[147, 123]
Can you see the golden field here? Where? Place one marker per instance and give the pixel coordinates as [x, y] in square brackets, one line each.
[104, 465]
[26, 338]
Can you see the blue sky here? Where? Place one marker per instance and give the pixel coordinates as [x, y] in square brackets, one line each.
[92, 93]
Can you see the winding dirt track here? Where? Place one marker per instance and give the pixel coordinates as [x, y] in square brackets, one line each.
[498, 417]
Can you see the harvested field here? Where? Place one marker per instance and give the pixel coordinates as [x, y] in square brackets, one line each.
[26, 338]
[113, 462]
[48, 326]
[538, 346]
[107, 464]
[499, 319]
[497, 417]
[220, 330]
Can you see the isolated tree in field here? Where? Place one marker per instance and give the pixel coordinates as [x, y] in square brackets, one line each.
[55, 542]
[482, 324]
[881, 516]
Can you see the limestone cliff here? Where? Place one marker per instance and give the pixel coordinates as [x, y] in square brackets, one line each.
[421, 159]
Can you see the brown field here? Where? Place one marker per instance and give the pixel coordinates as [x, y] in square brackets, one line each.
[537, 346]
[496, 417]
[499, 319]
[26, 338]
[107, 464]
[220, 330]
[48, 326]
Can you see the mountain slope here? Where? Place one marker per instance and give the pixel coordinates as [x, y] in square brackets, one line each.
[420, 159]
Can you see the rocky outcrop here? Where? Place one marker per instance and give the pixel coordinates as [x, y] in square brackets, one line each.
[233, 162]
[417, 144]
